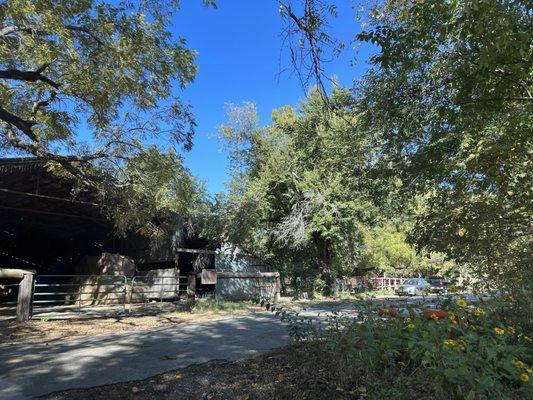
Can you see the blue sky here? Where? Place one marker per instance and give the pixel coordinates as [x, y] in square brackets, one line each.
[241, 58]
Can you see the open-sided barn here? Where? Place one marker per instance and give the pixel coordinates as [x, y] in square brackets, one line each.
[50, 226]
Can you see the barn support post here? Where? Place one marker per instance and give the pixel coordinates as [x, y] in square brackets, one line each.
[191, 286]
[24, 301]
[277, 292]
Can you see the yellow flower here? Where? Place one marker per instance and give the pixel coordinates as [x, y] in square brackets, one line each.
[511, 330]
[478, 312]
[461, 303]
[449, 342]
[526, 338]
[451, 315]
[410, 326]
[499, 331]
[524, 377]
[454, 343]
[519, 364]
[512, 299]
[434, 317]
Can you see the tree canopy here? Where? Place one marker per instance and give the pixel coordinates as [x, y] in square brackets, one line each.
[89, 87]
[304, 187]
[450, 90]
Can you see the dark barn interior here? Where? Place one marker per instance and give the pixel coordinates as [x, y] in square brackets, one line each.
[45, 224]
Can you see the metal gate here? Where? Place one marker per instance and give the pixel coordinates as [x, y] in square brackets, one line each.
[101, 295]
[72, 293]
[9, 291]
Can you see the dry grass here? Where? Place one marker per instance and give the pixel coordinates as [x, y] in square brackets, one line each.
[45, 330]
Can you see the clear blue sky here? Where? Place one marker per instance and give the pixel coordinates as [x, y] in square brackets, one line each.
[241, 58]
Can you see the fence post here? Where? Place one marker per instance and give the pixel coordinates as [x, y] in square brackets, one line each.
[277, 293]
[24, 303]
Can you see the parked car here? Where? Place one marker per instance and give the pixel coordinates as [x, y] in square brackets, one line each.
[438, 284]
[413, 287]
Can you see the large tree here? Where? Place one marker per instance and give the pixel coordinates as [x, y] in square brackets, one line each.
[89, 86]
[304, 187]
[451, 91]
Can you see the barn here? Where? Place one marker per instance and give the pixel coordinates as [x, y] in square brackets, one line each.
[58, 232]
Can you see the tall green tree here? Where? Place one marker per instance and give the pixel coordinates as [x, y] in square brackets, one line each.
[88, 86]
[451, 92]
[305, 187]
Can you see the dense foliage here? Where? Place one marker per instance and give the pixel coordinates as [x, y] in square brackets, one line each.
[304, 188]
[450, 91]
[431, 149]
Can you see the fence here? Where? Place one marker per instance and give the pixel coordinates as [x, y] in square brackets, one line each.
[379, 283]
[60, 294]
[365, 283]
[79, 290]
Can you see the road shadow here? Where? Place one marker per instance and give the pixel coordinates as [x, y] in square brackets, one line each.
[37, 369]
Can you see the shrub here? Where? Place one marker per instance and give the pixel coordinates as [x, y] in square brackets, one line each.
[472, 353]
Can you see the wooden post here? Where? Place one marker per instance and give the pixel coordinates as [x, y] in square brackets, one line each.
[24, 301]
[191, 286]
[277, 293]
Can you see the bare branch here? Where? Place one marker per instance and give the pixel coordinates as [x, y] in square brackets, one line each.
[7, 30]
[21, 124]
[29, 76]
[310, 26]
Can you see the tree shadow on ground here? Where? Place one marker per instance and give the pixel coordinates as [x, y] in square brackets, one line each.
[37, 369]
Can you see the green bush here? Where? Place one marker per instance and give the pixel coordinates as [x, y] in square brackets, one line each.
[472, 353]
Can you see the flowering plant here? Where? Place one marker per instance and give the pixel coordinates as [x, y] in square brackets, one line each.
[468, 350]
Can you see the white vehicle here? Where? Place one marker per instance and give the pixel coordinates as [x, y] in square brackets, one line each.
[413, 287]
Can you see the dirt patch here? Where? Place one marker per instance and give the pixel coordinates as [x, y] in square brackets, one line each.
[43, 330]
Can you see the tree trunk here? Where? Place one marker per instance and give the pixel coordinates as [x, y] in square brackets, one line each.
[325, 261]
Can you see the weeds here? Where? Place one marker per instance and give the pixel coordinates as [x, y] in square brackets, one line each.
[218, 306]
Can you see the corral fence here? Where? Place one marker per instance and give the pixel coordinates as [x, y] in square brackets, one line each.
[102, 295]
[79, 290]
[369, 283]
[83, 293]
